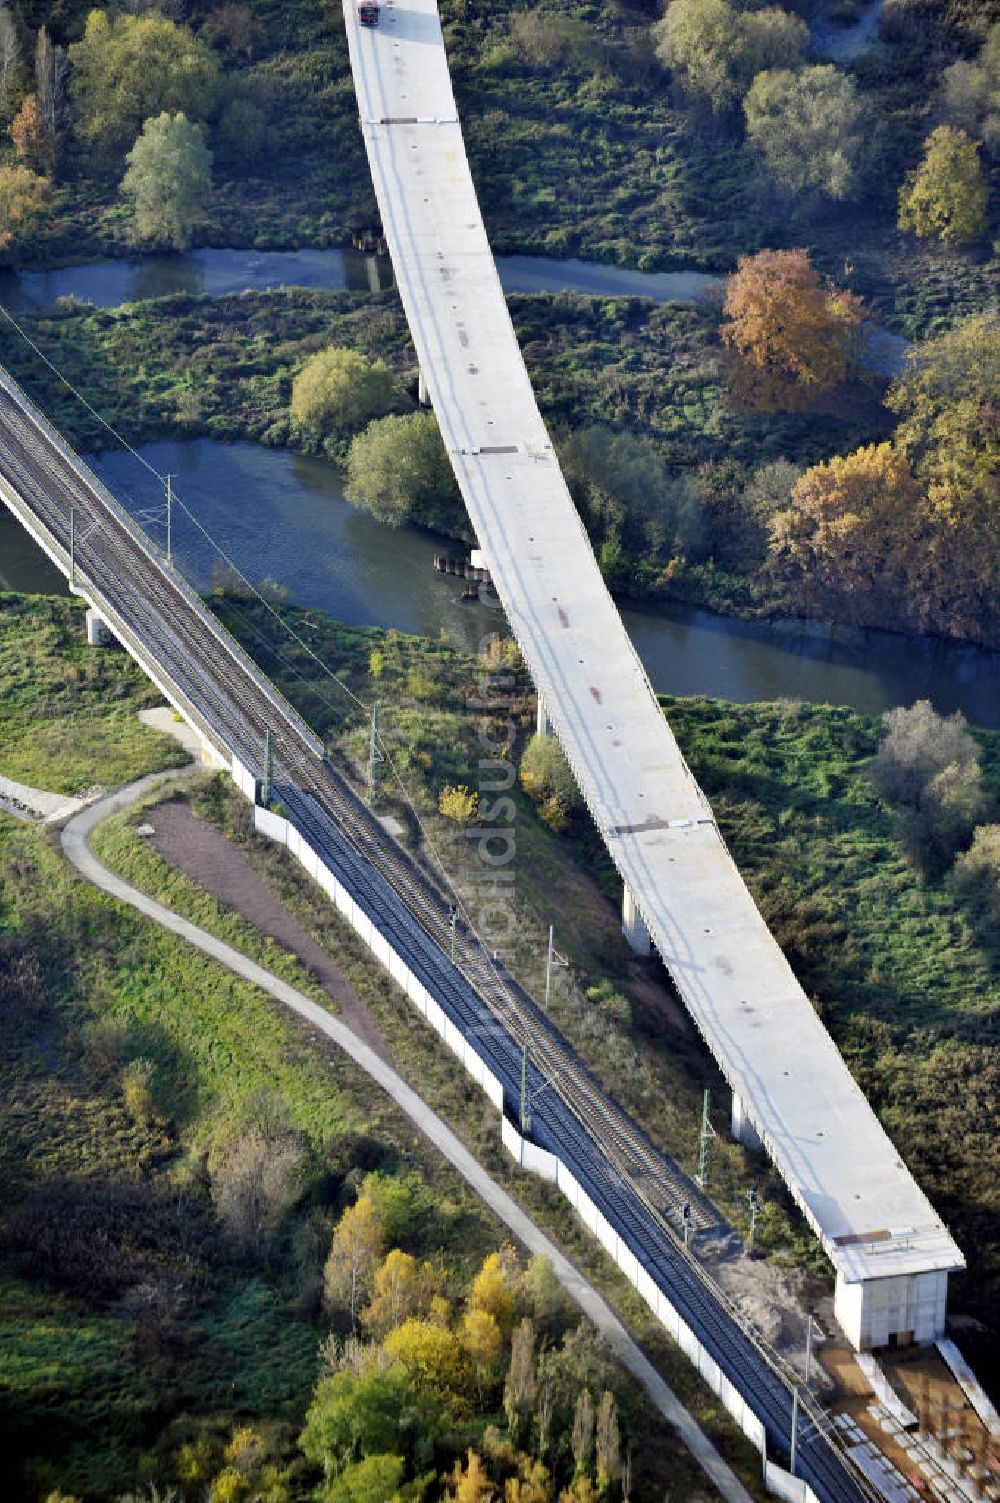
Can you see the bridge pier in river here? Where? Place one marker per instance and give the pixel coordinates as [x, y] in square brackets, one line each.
[633, 925]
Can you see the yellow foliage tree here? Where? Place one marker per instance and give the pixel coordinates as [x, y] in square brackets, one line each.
[28, 133]
[946, 196]
[459, 803]
[354, 1252]
[852, 537]
[948, 405]
[340, 388]
[230, 1486]
[434, 1358]
[400, 1288]
[493, 1290]
[793, 337]
[469, 1484]
[23, 202]
[533, 1484]
[483, 1343]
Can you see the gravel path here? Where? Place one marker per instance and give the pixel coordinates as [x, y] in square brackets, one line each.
[76, 844]
[208, 858]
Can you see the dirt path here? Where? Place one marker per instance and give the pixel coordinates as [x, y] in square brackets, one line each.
[208, 858]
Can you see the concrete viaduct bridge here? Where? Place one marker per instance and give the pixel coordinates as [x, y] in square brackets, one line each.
[791, 1088]
[792, 1091]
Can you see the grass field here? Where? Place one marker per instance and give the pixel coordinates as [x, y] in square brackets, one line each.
[67, 713]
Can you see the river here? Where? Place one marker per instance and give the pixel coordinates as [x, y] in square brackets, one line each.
[287, 510]
[290, 508]
[107, 284]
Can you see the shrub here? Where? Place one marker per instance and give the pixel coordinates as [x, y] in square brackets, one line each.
[927, 765]
[976, 880]
[459, 803]
[340, 388]
[398, 470]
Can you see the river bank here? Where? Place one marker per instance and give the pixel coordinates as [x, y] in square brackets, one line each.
[288, 509]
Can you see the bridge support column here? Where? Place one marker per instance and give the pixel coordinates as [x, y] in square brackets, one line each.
[99, 634]
[633, 926]
[423, 396]
[543, 725]
[743, 1129]
[374, 274]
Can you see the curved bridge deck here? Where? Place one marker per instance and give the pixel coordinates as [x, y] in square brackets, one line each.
[824, 1138]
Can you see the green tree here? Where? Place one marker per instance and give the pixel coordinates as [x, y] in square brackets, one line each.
[808, 128]
[377, 1479]
[167, 183]
[607, 1443]
[354, 1415]
[714, 51]
[582, 1437]
[51, 77]
[339, 388]
[628, 499]
[10, 62]
[130, 68]
[255, 1181]
[23, 205]
[398, 470]
[241, 137]
[975, 878]
[521, 1386]
[546, 777]
[946, 195]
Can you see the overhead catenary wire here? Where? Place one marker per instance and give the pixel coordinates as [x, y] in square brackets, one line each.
[262, 600]
[232, 694]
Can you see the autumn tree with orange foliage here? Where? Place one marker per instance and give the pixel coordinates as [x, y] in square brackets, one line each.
[850, 543]
[793, 336]
[27, 133]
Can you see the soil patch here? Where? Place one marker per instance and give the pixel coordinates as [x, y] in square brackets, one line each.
[208, 858]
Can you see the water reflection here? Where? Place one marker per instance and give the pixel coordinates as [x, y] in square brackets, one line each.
[283, 515]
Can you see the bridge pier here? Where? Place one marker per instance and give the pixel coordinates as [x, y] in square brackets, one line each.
[743, 1129]
[543, 725]
[423, 396]
[99, 633]
[633, 926]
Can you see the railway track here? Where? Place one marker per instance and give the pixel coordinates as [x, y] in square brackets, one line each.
[640, 1192]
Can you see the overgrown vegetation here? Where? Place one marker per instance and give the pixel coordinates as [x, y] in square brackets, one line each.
[176, 1155]
[901, 965]
[68, 713]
